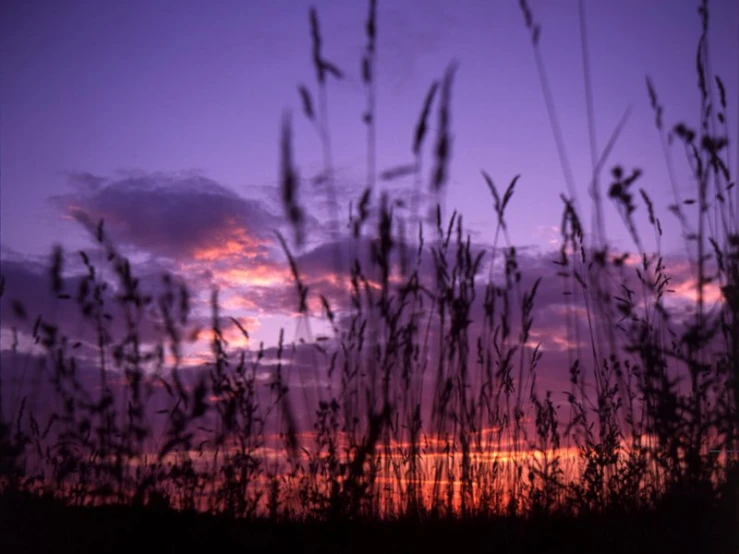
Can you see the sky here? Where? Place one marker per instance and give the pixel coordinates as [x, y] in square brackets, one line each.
[163, 118]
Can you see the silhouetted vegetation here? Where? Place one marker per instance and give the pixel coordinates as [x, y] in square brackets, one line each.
[423, 407]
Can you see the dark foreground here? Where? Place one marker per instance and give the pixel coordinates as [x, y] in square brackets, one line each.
[682, 525]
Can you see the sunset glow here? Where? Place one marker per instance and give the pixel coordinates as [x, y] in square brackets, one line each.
[419, 265]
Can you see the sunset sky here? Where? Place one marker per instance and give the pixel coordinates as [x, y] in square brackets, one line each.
[163, 118]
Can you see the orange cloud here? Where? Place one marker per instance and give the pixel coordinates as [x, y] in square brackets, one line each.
[229, 241]
[688, 290]
[258, 275]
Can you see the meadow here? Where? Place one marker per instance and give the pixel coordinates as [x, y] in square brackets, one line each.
[420, 420]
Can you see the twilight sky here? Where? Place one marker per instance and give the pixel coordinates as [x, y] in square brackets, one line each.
[163, 117]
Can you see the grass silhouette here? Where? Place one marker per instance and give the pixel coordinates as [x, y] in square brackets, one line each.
[428, 428]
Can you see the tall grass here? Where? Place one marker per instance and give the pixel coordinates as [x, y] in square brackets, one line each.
[424, 402]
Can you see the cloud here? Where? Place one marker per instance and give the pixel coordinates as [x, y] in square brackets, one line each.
[194, 227]
[214, 237]
[28, 291]
[28, 295]
[178, 216]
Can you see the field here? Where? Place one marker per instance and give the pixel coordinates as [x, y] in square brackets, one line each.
[418, 421]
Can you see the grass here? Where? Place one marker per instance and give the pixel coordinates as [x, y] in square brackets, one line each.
[428, 428]
[120, 529]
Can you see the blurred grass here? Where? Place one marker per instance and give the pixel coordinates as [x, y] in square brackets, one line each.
[423, 432]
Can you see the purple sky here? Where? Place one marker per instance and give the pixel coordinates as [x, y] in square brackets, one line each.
[101, 101]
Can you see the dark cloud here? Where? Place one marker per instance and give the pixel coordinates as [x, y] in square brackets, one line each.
[174, 216]
[28, 285]
[28, 295]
